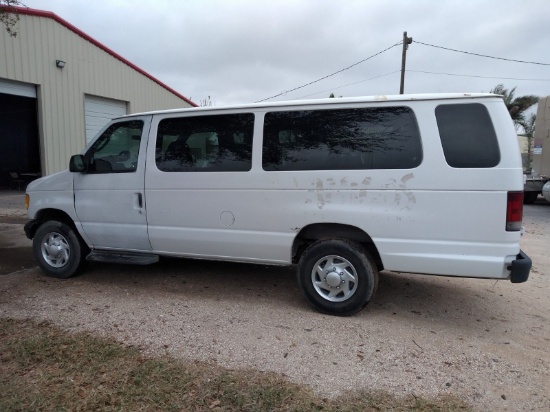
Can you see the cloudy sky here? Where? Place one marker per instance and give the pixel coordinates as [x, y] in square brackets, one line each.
[245, 51]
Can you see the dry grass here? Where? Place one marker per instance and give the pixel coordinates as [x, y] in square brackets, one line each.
[45, 369]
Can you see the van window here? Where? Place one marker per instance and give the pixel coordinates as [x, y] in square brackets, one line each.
[214, 143]
[467, 135]
[117, 149]
[343, 139]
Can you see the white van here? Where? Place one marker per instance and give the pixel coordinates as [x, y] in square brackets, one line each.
[343, 187]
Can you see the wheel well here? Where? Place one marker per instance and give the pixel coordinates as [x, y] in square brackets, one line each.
[55, 214]
[318, 231]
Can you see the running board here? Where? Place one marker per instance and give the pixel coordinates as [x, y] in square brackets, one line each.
[122, 257]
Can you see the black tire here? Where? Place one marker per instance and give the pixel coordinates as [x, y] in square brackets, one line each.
[58, 250]
[351, 277]
[530, 197]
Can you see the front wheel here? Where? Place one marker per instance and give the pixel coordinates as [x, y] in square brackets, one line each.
[57, 249]
[337, 277]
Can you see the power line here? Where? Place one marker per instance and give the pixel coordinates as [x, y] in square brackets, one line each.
[417, 71]
[332, 74]
[473, 75]
[413, 71]
[482, 55]
[346, 85]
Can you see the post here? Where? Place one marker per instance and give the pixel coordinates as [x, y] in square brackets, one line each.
[406, 42]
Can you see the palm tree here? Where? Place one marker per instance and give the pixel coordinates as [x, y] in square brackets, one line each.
[516, 105]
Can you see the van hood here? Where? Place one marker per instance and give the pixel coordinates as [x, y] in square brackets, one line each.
[59, 181]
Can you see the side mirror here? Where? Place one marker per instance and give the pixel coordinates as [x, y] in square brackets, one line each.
[77, 164]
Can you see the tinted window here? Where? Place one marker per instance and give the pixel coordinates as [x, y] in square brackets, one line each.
[346, 139]
[218, 143]
[117, 149]
[467, 135]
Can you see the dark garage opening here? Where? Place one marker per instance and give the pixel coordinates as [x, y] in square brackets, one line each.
[19, 141]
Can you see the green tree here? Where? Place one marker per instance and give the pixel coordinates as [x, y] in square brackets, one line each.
[9, 15]
[517, 106]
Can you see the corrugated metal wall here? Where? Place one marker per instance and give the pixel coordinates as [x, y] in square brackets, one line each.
[30, 57]
[541, 155]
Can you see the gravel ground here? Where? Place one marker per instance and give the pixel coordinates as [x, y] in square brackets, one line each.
[482, 340]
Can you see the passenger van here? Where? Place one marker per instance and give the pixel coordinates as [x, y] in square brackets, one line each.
[344, 188]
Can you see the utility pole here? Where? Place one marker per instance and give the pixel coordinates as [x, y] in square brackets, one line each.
[406, 42]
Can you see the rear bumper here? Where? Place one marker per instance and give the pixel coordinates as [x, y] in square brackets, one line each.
[520, 268]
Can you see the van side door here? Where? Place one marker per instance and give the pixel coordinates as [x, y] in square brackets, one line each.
[109, 195]
[197, 184]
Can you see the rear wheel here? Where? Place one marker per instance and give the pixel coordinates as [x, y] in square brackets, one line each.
[58, 250]
[337, 277]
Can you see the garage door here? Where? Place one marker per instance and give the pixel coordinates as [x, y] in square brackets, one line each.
[99, 111]
[19, 139]
[17, 89]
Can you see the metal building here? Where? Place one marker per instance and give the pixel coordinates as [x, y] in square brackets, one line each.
[58, 87]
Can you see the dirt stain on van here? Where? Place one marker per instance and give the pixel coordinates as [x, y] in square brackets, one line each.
[410, 196]
[397, 199]
[320, 193]
[366, 181]
[407, 177]
[408, 193]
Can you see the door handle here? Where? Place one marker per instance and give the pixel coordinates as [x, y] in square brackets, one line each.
[139, 200]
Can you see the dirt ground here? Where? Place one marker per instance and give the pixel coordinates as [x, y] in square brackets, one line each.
[483, 340]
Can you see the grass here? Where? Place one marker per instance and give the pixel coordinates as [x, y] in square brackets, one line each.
[45, 369]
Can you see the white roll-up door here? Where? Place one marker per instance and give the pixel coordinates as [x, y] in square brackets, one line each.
[99, 111]
[17, 88]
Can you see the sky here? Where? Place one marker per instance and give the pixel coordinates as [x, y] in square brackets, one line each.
[233, 52]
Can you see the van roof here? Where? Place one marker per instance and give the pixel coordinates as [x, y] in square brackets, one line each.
[332, 101]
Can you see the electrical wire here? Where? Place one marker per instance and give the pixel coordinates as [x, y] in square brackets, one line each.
[481, 55]
[346, 85]
[330, 75]
[412, 71]
[473, 75]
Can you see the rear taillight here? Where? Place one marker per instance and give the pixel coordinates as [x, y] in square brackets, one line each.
[514, 211]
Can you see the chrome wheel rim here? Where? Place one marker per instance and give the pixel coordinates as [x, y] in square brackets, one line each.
[334, 278]
[55, 250]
